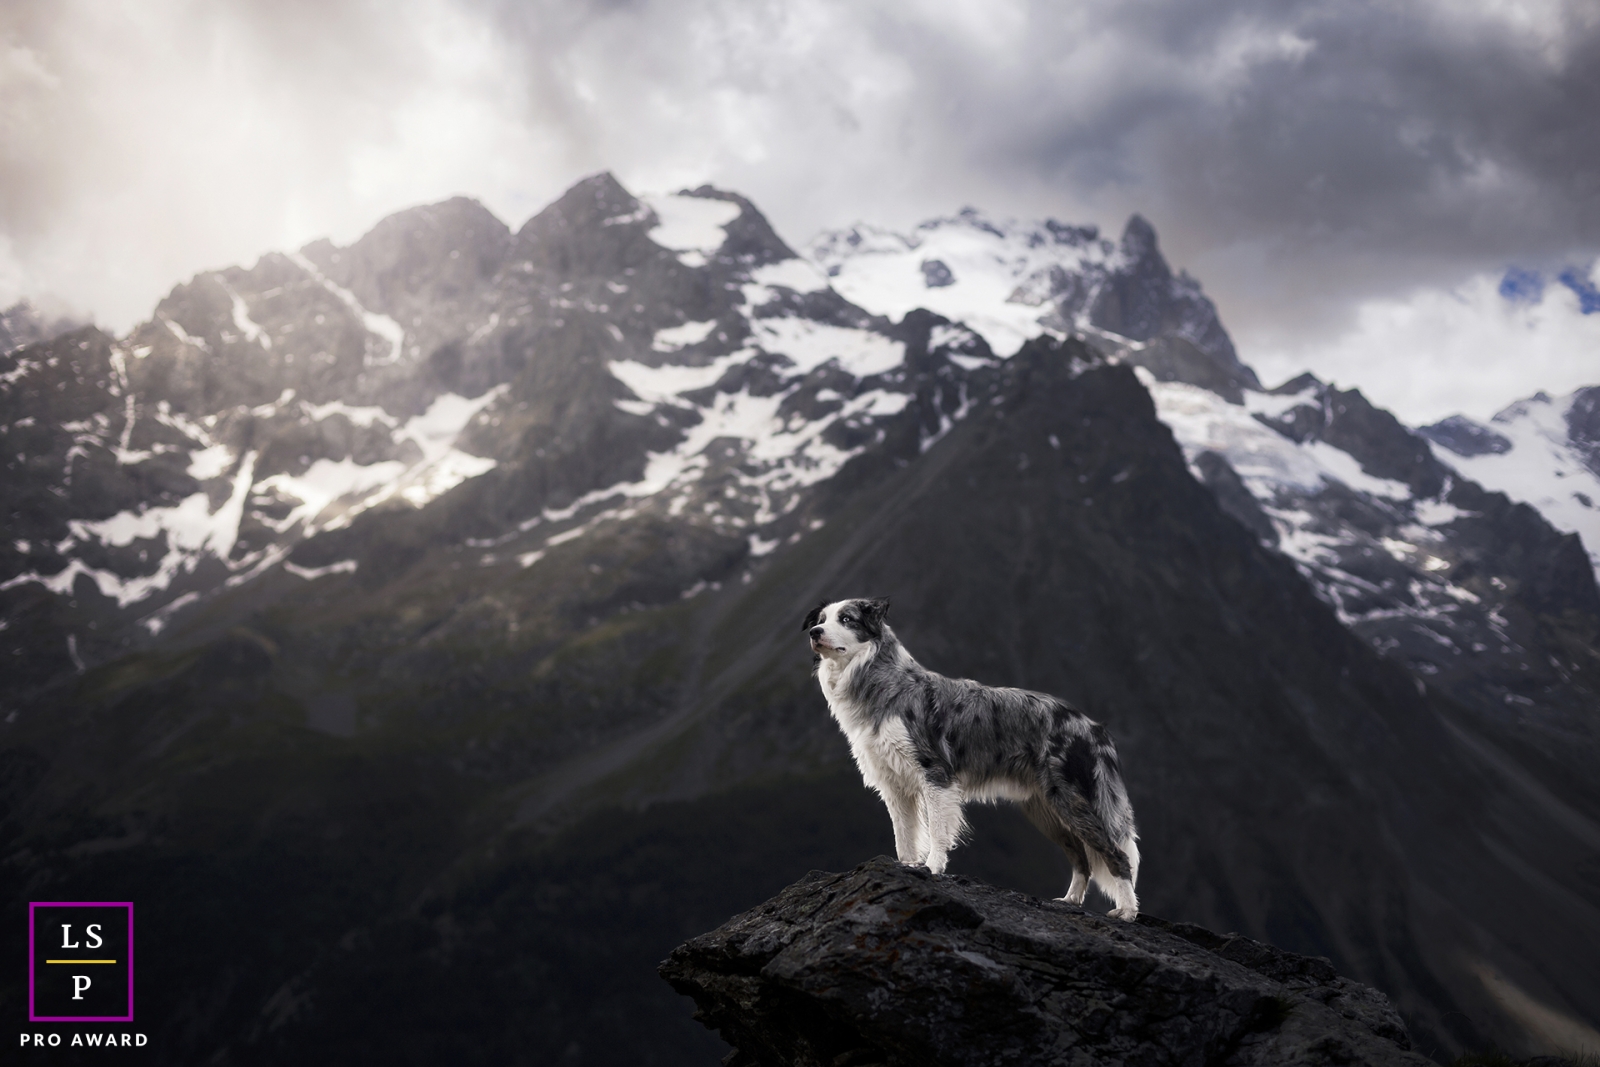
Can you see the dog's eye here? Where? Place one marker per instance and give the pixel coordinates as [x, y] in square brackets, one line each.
[847, 618]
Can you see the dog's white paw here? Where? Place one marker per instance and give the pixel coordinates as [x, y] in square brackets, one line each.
[1072, 898]
[1127, 915]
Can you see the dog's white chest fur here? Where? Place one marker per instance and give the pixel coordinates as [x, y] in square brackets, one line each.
[885, 755]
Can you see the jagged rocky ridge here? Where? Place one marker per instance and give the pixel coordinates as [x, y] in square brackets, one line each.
[477, 534]
[262, 407]
[892, 965]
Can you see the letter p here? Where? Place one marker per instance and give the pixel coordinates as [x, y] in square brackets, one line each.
[80, 982]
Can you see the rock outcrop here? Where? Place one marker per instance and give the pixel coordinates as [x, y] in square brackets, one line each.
[893, 965]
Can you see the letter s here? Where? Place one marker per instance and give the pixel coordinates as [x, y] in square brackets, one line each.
[94, 936]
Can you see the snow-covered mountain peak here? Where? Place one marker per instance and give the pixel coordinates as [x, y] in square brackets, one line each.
[666, 354]
[1013, 280]
[669, 358]
[1001, 278]
[1542, 450]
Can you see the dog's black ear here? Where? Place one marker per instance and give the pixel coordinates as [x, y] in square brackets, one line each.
[813, 618]
[874, 613]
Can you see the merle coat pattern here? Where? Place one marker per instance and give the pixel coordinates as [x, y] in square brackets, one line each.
[928, 744]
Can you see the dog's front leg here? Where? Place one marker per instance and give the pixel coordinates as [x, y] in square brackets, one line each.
[908, 836]
[942, 821]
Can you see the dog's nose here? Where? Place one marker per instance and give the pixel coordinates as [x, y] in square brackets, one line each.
[815, 633]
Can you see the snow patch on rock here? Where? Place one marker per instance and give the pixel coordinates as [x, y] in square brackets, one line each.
[692, 226]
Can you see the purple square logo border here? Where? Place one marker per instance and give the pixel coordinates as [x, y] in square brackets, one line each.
[32, 905]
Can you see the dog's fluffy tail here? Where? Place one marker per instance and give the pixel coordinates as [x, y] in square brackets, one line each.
[1112, 806]
[1090, 828]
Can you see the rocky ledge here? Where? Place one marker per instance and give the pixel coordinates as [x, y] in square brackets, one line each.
[893, 965]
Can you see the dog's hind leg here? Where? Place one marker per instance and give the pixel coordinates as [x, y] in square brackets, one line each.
[1040, 813]
[942, 822]
[1112, 867]
[1119, 887]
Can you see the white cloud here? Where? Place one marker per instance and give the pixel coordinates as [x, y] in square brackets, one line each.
[1437, 352]
[158, 139]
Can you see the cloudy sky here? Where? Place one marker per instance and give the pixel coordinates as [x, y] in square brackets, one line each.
[1350, 180]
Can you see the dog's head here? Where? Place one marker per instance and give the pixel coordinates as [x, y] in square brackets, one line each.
[842, 629]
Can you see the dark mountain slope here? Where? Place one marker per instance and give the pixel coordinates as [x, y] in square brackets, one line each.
[1515, 635]
[1102, 572]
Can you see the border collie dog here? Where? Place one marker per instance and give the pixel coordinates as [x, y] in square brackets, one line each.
[928, 744]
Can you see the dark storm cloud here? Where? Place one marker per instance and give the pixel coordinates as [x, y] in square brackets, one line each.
[1361, 146]
[1409, 130]
[1298, 157]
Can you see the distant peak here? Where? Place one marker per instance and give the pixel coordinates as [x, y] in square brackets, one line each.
[978, 220]
[601, 189]
[1296, 385]
[711, 192]
[600, 180]
[460, 217]
[1139, 238]
[1466, 437]
[585, 205]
